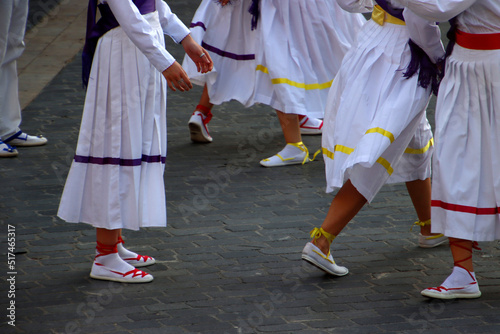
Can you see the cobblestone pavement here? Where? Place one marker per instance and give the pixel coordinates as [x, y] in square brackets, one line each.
[229, 259]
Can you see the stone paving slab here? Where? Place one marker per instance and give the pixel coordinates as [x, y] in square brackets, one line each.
[54, 35]
[229, 259]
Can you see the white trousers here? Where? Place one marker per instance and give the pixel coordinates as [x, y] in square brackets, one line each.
[13, 16]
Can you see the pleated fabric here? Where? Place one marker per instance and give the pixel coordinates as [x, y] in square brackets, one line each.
[116, 178]
[300, 47]
[226, 33]
[288, 62]
[375, 129]
[466, 185]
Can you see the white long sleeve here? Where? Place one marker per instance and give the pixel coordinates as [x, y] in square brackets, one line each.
[437, 10]
[140, 33]
[356, 6]
[425, 34]
[473, 16]
[170, 23]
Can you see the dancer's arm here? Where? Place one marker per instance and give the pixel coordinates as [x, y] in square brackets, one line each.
[437, 10]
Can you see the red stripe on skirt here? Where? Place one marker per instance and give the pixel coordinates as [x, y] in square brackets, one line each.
[464, 208]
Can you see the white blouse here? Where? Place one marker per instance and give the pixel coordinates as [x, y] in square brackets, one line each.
[140, 31]
[474, 16]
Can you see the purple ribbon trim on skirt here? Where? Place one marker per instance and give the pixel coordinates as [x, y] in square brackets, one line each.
[226, 54]
[198, 24]
[119, 161]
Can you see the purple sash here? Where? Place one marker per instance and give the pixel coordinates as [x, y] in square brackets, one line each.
[96, 30]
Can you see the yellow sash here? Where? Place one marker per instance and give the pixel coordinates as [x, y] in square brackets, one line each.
[380, 16]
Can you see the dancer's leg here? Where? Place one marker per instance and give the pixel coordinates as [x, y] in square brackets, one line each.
[107, 237]
[202, 115]
[420, 194]
[345, 205]
[295, 152]
[290, 127]
[205, 102]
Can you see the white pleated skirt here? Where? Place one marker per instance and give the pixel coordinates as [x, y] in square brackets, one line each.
[288, 62]
[466, 183]
[300, 47]
[375, 129]
[227, 35]
[116, 178]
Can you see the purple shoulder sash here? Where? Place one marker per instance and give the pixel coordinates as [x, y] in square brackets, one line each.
[96, 30]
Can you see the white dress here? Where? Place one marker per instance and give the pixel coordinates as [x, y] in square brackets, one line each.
[288, 62]
[466, 182]
[116, 178]
[225, 31]
[375, 129]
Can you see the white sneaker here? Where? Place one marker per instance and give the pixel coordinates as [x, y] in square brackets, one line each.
[311, 126]
[292, 154]
[133, 258]
[315, 256]
[198, 127]
[7, 151]
[431, 241]
[22, 139]
[460, 284]
[111, 267]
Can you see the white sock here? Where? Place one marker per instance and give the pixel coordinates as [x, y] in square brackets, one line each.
[113, 261]
[311, 122]
[125, 253]
[290, 151]
[459, 278]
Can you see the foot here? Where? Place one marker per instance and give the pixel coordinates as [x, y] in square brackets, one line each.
[23, 139]
[292, 154]
[7, 151]
[311, 126]
[315, 256]
[430, 241]
[460, 284]
[198, 127]
[133, 258]
[111, 267]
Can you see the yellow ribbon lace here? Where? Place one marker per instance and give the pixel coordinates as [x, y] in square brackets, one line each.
[318, 232]
[421, 223]
[303, 148]
[425, 223]
[300, 145]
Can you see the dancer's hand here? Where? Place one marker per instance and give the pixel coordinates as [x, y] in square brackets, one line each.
[177, 78]
[198, 54]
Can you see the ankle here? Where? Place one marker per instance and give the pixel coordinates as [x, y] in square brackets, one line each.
[425, 230]
[104, 249]
[322, 244]
[294, 148]
[203, 109]
[459, 277]
[322, 239]
[425, 227]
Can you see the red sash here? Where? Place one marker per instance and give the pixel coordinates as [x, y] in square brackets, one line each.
[478, 41]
